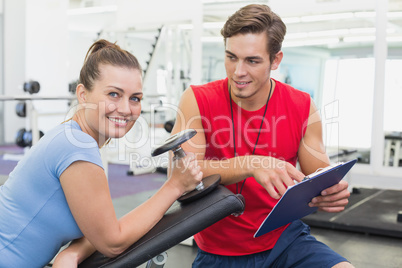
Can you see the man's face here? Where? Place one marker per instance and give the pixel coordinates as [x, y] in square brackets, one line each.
[247, 66]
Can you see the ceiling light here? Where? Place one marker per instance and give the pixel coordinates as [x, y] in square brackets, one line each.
[329, 33]
[365, 14]
[393, 15]
[311, 42]
[356, 39]
[368, 30]
[324, 17]
[338, 16]
[91, 10]
[394, 39]
[212, 39]
[296, 35]
[213, 25]
[205, 25]
[291, 20]
[186, 26]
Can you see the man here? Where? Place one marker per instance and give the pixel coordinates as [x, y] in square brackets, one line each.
[252, 130]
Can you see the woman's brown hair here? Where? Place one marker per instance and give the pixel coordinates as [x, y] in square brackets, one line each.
[105, 52]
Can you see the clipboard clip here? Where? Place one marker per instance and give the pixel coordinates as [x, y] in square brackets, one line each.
[321, 170]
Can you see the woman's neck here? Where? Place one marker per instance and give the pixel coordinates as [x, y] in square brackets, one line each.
[79, 117]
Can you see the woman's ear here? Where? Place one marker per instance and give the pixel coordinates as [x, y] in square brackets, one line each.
[277, 60]
[81, 93]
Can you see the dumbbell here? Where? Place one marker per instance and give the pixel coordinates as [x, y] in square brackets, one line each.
[32, 87]
[21, 109]
[24, 138]
[168, 126]
[72, 86]
[174, 143]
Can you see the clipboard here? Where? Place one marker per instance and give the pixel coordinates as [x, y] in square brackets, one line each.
[293, 204]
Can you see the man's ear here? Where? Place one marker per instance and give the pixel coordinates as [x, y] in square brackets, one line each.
[277, 60]
[81, 93]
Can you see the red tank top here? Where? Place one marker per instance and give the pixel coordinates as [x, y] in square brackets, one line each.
[283, 128]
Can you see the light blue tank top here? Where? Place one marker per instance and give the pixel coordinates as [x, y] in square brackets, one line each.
[35, 220]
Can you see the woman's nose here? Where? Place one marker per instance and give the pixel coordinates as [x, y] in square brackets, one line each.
[123, 107]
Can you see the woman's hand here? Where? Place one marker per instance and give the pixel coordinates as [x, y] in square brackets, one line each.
[77, 251]
[65, 260]
[185, 174]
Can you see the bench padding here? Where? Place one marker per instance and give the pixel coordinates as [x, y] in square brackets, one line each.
[180, 222]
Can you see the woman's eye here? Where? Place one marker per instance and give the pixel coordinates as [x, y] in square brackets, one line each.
[136, 99]
[113, 94]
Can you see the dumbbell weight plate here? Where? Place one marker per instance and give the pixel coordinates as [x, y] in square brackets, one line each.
[32, 87]
[210, 183]
[168, 126]
[27, 138]
[19, 139]
[174, 141]
[20, 109]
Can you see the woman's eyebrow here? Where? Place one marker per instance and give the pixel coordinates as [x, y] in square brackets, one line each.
[122, 90]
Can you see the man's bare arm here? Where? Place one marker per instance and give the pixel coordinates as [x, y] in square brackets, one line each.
[312, 156]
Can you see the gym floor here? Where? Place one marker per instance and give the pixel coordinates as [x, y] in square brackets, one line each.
[362, 249]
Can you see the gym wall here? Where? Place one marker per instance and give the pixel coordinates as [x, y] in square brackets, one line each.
[36, 41]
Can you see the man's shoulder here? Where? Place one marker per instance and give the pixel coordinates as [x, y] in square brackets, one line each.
[211, 96]
[213, 86]
[289, 92]
[290, 89]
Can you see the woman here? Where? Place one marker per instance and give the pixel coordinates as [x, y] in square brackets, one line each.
[59, 191]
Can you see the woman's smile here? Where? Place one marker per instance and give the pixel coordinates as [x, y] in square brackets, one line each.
[119, 121]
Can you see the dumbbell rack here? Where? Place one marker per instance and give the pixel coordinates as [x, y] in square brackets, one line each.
[32, 115]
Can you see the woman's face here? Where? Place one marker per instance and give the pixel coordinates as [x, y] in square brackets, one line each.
[114, 103]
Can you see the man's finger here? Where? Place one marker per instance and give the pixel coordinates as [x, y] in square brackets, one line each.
[337, 188]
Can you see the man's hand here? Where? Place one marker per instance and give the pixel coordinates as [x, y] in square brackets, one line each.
[332, 199]
[276, 175]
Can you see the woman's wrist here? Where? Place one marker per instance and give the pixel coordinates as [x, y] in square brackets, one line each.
[66, 256]
[173, 189]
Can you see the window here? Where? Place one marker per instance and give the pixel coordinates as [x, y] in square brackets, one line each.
[347, 103]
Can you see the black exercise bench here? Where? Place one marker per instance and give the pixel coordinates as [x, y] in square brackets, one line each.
[180, 222]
